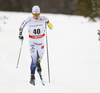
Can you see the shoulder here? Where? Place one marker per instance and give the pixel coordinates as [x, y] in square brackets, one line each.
[44, 18]
[29, 18]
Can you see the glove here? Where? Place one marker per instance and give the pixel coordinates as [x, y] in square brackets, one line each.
[50, 25]
[20, 32]
[21, 37]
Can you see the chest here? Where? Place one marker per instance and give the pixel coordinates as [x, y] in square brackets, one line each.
[36, 27]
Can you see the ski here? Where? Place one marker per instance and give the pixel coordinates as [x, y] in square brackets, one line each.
[32, 82]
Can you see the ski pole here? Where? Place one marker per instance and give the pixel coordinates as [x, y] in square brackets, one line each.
[47, 56]
[19, 54]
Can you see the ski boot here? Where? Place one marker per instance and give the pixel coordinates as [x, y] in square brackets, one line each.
[32, 80]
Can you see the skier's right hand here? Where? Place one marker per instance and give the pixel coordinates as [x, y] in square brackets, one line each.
[21, 37]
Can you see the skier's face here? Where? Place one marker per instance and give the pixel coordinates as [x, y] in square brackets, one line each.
[36, 16]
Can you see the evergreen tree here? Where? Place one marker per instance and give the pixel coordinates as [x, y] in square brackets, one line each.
[89, 8]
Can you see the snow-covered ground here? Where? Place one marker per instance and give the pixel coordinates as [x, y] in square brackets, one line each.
[74, 54]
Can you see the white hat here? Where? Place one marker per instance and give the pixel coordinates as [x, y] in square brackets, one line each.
[36, 9]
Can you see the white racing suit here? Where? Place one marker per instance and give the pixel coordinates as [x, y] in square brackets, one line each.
[36, 29]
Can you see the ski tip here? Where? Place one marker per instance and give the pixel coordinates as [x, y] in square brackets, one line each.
[43, 84]
[32, 83]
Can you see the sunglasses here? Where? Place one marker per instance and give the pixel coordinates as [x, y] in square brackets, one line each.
[36, 15]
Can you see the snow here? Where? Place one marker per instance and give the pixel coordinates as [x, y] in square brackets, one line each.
[74, 55]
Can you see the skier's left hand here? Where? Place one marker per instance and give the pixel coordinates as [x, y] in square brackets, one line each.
[21, 37]
[50, 25]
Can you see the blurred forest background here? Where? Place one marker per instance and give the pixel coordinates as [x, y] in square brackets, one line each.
[86, 8]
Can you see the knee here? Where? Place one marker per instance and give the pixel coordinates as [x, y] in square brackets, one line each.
[38, 67]
[33, 66]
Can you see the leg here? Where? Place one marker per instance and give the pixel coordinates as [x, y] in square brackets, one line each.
[39, 57]
[33, 62]
[33, 68]
[38, 63]
[34, 59]
[39, 67]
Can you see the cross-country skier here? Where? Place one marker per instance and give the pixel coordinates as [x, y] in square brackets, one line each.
[36, 28]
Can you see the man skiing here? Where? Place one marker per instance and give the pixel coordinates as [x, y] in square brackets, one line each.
[36, 28]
